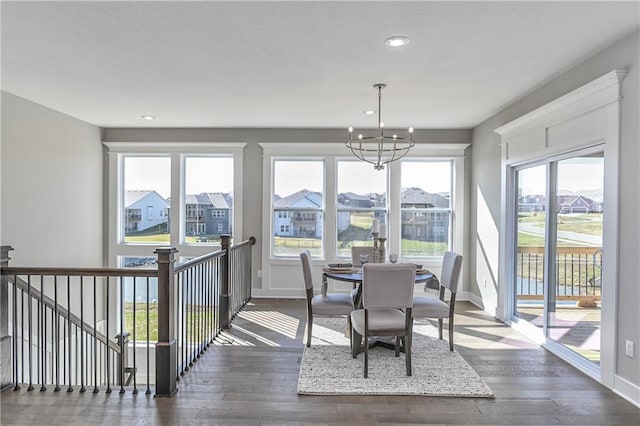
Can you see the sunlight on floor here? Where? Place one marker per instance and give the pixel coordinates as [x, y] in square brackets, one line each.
[272, 320]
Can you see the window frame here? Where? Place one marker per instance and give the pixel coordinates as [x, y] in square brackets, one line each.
[177, 152]
[331, 153]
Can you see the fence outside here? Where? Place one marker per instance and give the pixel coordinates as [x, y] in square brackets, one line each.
[578, 272]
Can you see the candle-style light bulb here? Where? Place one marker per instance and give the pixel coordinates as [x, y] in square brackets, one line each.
[381, 124]
[410, 133]
[360, 136]
[350, 132]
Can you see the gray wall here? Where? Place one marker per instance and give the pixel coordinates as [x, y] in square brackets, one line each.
[52, 210]
[486, 186]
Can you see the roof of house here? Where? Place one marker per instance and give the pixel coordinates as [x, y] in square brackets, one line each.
[218, 200]
[422, 197]
[133, 196]
[302, 198]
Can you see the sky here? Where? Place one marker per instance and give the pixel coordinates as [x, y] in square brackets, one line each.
[575, 174]
[202, 174]
[360, 177]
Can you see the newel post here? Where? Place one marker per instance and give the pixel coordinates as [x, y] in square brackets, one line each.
[166, 347]
[5, 338]
[225, 320]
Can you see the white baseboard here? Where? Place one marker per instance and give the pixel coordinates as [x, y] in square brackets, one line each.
[627, 390]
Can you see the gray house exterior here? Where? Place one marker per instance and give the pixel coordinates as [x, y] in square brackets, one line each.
[421, 225]
[298, 215]
[208, 213]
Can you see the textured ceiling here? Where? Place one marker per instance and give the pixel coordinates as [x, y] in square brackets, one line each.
[295, 64]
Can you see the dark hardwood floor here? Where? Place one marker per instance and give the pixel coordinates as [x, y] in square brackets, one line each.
[250, 377]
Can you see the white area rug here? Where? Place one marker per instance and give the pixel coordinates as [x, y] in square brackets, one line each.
[327, 367]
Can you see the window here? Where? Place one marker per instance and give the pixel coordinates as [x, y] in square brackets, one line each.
[208, 184]
[361, 197]
[146, 184]
[164, 193]
[298, 207]
[352, 195]
[425, 205]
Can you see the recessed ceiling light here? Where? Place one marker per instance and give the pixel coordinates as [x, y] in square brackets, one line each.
[396, 41]
[369, 111]
[148, 117]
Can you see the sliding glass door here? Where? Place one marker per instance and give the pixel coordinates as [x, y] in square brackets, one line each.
[558, 249]
[574, 292]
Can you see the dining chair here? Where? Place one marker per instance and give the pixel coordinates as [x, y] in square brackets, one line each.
[436, 307]
[387, 299]
[356, 251]
[327, 304]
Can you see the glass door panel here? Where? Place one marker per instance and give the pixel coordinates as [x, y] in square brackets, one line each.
[574, 291]
[530, 243]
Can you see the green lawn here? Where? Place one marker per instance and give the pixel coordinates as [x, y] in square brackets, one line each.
[141, 321]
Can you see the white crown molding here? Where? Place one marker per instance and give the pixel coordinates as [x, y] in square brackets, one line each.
[603, 90]
[180, 147]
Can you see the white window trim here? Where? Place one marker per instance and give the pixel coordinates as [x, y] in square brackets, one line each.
[272, 285]
[530, 138]
[176, 151]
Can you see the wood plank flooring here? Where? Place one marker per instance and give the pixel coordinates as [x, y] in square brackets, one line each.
[250, 378]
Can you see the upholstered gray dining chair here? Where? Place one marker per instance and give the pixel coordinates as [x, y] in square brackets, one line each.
[387, 298]
[356, 251]
[436, 307]
[328, 304]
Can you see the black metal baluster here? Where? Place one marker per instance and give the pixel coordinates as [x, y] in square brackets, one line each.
[95, 337]
[107, 365]
[30, 312]
[69, 388]
[179, 324]
[208, 302]
[185, 303]
[16, 378]
[122, 348]
[82, 388]
[43, 310]
[57, 334]
[133, 331]
[148, 391]
[199, 317]
[183, 309]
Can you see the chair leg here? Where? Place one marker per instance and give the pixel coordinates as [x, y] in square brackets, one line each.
[407, 353]
[397, 348]
[356, 340]
[309, 327]
[366, 353]
[440, 328]
[451, 335]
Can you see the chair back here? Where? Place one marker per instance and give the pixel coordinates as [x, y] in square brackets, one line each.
[305, 257]
[450, 274]
[356, 251]
[388, 285]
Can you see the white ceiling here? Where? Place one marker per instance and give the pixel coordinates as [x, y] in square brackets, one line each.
[295, 64]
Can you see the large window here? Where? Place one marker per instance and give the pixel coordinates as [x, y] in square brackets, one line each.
[172, 194]
[361, 197]
[425, 203]
[208, 195]
[298, 207]
[145, 193]
[325, 201]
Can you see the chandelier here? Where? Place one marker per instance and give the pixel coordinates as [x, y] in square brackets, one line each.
[379, 149]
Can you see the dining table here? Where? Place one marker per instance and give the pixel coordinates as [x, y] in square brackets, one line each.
[354, 276]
